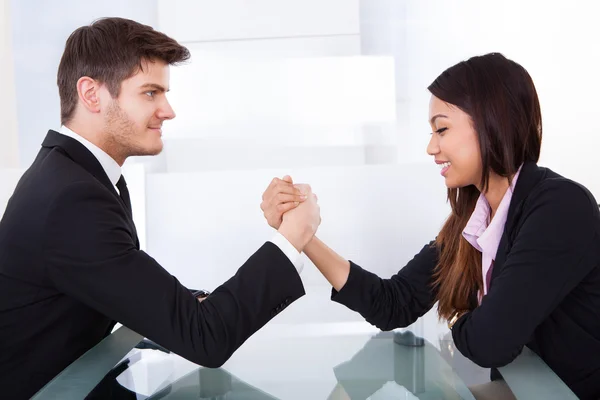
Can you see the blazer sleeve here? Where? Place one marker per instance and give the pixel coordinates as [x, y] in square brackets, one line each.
[91, 255]
[553, 250]
[395, 302]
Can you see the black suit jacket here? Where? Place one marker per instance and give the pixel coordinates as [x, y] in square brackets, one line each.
[70, 266]
[544, 291]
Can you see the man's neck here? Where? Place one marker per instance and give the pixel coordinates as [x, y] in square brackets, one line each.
[88, 135]
[94, 137]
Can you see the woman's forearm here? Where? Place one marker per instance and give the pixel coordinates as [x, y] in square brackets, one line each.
[333, 267]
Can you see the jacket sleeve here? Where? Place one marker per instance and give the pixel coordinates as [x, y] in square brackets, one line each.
[91, 256]
[394, 302]
[554, 248]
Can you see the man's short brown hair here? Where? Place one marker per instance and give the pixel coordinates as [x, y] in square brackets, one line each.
[111, 50]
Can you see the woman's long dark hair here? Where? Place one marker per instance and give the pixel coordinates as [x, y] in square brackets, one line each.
[500, 97]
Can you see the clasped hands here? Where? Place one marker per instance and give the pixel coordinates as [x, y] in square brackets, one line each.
[293, 210]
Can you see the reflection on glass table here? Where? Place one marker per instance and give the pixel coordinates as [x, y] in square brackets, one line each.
[354, 366]
[304, 355]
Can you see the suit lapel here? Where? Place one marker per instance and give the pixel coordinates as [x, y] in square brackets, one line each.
[529, 177]
[82, 156]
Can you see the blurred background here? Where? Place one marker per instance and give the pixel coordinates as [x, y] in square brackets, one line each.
[332, 92]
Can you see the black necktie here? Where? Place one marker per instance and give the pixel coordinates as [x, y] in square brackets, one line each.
[122, 186]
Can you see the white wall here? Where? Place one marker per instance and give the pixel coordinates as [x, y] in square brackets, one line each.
[202, 226]
[191, 213]
[9, 155]
[275, 75]
[217, 96]
[39, 32]
[230, 109]
[205, 20]
[276, 87]
[554, 41]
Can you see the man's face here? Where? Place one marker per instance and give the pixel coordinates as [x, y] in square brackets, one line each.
[133, 121]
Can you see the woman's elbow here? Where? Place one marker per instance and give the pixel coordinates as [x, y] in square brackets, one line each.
[493, 358]
[392, 322]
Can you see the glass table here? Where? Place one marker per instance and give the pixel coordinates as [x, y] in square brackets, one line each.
[294, 357]
[270, 365]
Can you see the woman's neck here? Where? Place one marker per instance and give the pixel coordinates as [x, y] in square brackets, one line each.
[497, 187]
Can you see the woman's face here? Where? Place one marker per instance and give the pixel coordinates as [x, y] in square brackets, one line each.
[454, 144]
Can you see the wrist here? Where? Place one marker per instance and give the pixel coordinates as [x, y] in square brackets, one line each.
[299, 238]
[312, 242]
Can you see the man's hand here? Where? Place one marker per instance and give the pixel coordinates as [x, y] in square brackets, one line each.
[296, 219]
[280, 197]
[300, 224]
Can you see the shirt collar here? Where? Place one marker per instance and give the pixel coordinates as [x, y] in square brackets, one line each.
[478, 222]
[109, 165]
[482, 233]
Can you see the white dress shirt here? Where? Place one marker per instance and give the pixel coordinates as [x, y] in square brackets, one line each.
[113, 171]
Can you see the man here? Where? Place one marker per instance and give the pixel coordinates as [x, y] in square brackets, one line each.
[70, 263]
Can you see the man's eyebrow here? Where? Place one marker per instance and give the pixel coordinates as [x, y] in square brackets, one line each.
[154, 86]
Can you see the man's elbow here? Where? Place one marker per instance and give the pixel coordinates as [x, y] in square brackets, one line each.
[382, 324]
[211, 350]
[214, 363]
[211, 359]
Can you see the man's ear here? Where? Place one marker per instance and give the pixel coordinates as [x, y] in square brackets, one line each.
[88, 90]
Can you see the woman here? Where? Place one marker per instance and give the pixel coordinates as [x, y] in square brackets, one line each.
[518, 260]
